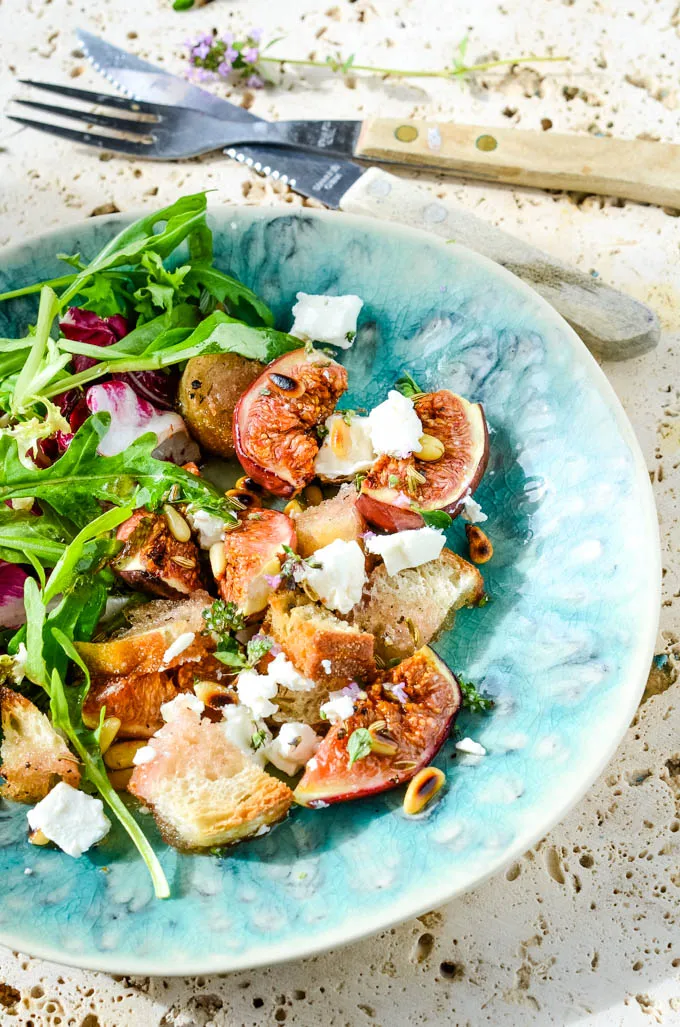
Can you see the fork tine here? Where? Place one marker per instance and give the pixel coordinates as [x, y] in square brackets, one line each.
[103, 142]
[120, 124]
[124, 103]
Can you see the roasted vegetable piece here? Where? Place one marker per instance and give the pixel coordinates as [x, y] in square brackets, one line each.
[275, 421]
[204, 792]
[394, 490]
[209, 390]
[419, 726]
[318, 526]
[156, 556]
[33, 757]
[253, 554]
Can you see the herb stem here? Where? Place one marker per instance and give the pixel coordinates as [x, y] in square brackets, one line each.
[444, 73]
[53, 283]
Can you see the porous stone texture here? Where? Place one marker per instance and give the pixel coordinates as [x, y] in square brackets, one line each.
[583, 929]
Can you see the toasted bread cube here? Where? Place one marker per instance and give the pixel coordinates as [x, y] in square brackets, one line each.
[136, 700]
[318, 526]
[33, 756]
[203, 790]
[153, 560]
[405, 611]
[314, 640]
[155, 628]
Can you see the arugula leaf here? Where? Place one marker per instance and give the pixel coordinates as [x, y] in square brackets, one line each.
[240, 300]
[359, 745]
[75, 483]
[436, 518]
[24, 536]
[474, 700]
[162, 288]
[408, 387]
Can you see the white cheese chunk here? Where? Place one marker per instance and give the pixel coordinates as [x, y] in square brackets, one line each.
[470, 747]
[209, 527]
[340, 577]
[471, 511]
[18, 669]
[255, 691]
[144, 755]
[282, 672]
[71, 819]
[241, 728]
[394, 426]
[294, 745]
[181, 643]
[407, 548]
[185, 701]
[339, 707]
[358, 454]
[331, 319]
[327, 666]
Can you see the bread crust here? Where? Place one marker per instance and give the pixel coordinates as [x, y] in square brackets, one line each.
[33, 756]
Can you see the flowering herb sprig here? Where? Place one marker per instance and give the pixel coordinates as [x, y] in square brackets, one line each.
[214, 56]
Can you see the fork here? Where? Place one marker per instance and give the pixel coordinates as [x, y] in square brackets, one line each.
[160, 132]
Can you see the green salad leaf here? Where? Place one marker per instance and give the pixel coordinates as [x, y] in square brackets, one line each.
[24, 536]
[75, 483]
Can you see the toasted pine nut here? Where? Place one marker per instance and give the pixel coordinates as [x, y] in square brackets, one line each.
[90, 720]
[481, 549]
[293, 508]
[340, 438]
[218, 559]
[23, 504]
[38, 838]
[313, 495]
[247, 500]
[179, 529]
[381, 741]
[212, 694]
[422, 789]
[121, 754]
[110, 729]
[183, 561]
[120, 779]
[272, 567]
[430, 448]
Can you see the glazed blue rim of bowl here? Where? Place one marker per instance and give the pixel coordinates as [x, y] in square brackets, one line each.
[630, 688]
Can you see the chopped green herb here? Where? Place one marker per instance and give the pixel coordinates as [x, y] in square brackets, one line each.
[359, 745]
[258, 739]
[359, 480]
[347, 416]
[474, 700]
[409, 387]
[436, 518]
[393, 481]
[351, 336]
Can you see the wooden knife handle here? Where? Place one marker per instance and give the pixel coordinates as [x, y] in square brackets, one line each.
[635, 169]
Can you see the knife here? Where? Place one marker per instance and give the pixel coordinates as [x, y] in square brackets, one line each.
[611, 324]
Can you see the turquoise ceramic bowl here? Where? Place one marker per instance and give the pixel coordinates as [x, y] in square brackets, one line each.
[564, 645]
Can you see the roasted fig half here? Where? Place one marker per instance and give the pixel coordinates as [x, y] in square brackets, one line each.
[394, 490]
[275, 420]
[253, 554]
[408, 726]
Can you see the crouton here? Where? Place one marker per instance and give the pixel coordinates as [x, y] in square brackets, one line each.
[405, 611]
[146, 646]
[34, 757]
[318, 526]
[135, 699]
[153, 559]
[315, 640]
[203, 790]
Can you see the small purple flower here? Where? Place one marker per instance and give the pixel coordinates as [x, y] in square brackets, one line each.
[255, 82]
[256, 35]
[273, 580]
[352, 690]
[368, 534]
[250, 54]
[399, 691]
[203, 75]
[201, 51]
[227, 38]
[224, 69]
[230, 54]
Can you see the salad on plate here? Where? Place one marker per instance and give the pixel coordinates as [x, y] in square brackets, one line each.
[213, 657]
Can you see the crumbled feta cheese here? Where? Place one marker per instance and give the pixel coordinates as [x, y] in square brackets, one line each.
[209, 527]
[28, 872]
[407, 548]
[174, 708]
[326, 664]
[71, 819]
[330, 319]
[470, 747]
[240, 727]
[339, 579]
[282, 672]
[144, 755]
[339, 707]
[358, 450]
[255, 691]
[471, 511]
[181, 643]
[394, 426]
[18, 671]
[293, 746]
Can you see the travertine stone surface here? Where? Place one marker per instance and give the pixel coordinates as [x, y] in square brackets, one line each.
[583, 929]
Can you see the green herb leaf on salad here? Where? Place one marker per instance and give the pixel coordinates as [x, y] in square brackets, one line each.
[359, 745]
[474, 700]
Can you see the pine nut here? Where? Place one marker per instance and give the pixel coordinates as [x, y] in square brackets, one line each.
[422, 789]
[381, 742]
[313, 495]
[245, 499]
[431, 449]
[110, 729]
[212, 694]
[179, 529]
[218, 559]
[120, 779]
[293, 508]
[121, 754]
[340, 438]
[38, 838]
[481, 549]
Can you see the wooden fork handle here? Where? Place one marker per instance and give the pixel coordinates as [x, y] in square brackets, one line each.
[634, 169]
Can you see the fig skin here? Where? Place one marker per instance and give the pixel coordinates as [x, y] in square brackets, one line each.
[420, 728]
[274, 429]
[208, 407]
[445, 487]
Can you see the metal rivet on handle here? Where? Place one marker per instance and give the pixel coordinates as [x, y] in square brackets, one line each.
[406, 133]
[486, 143]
